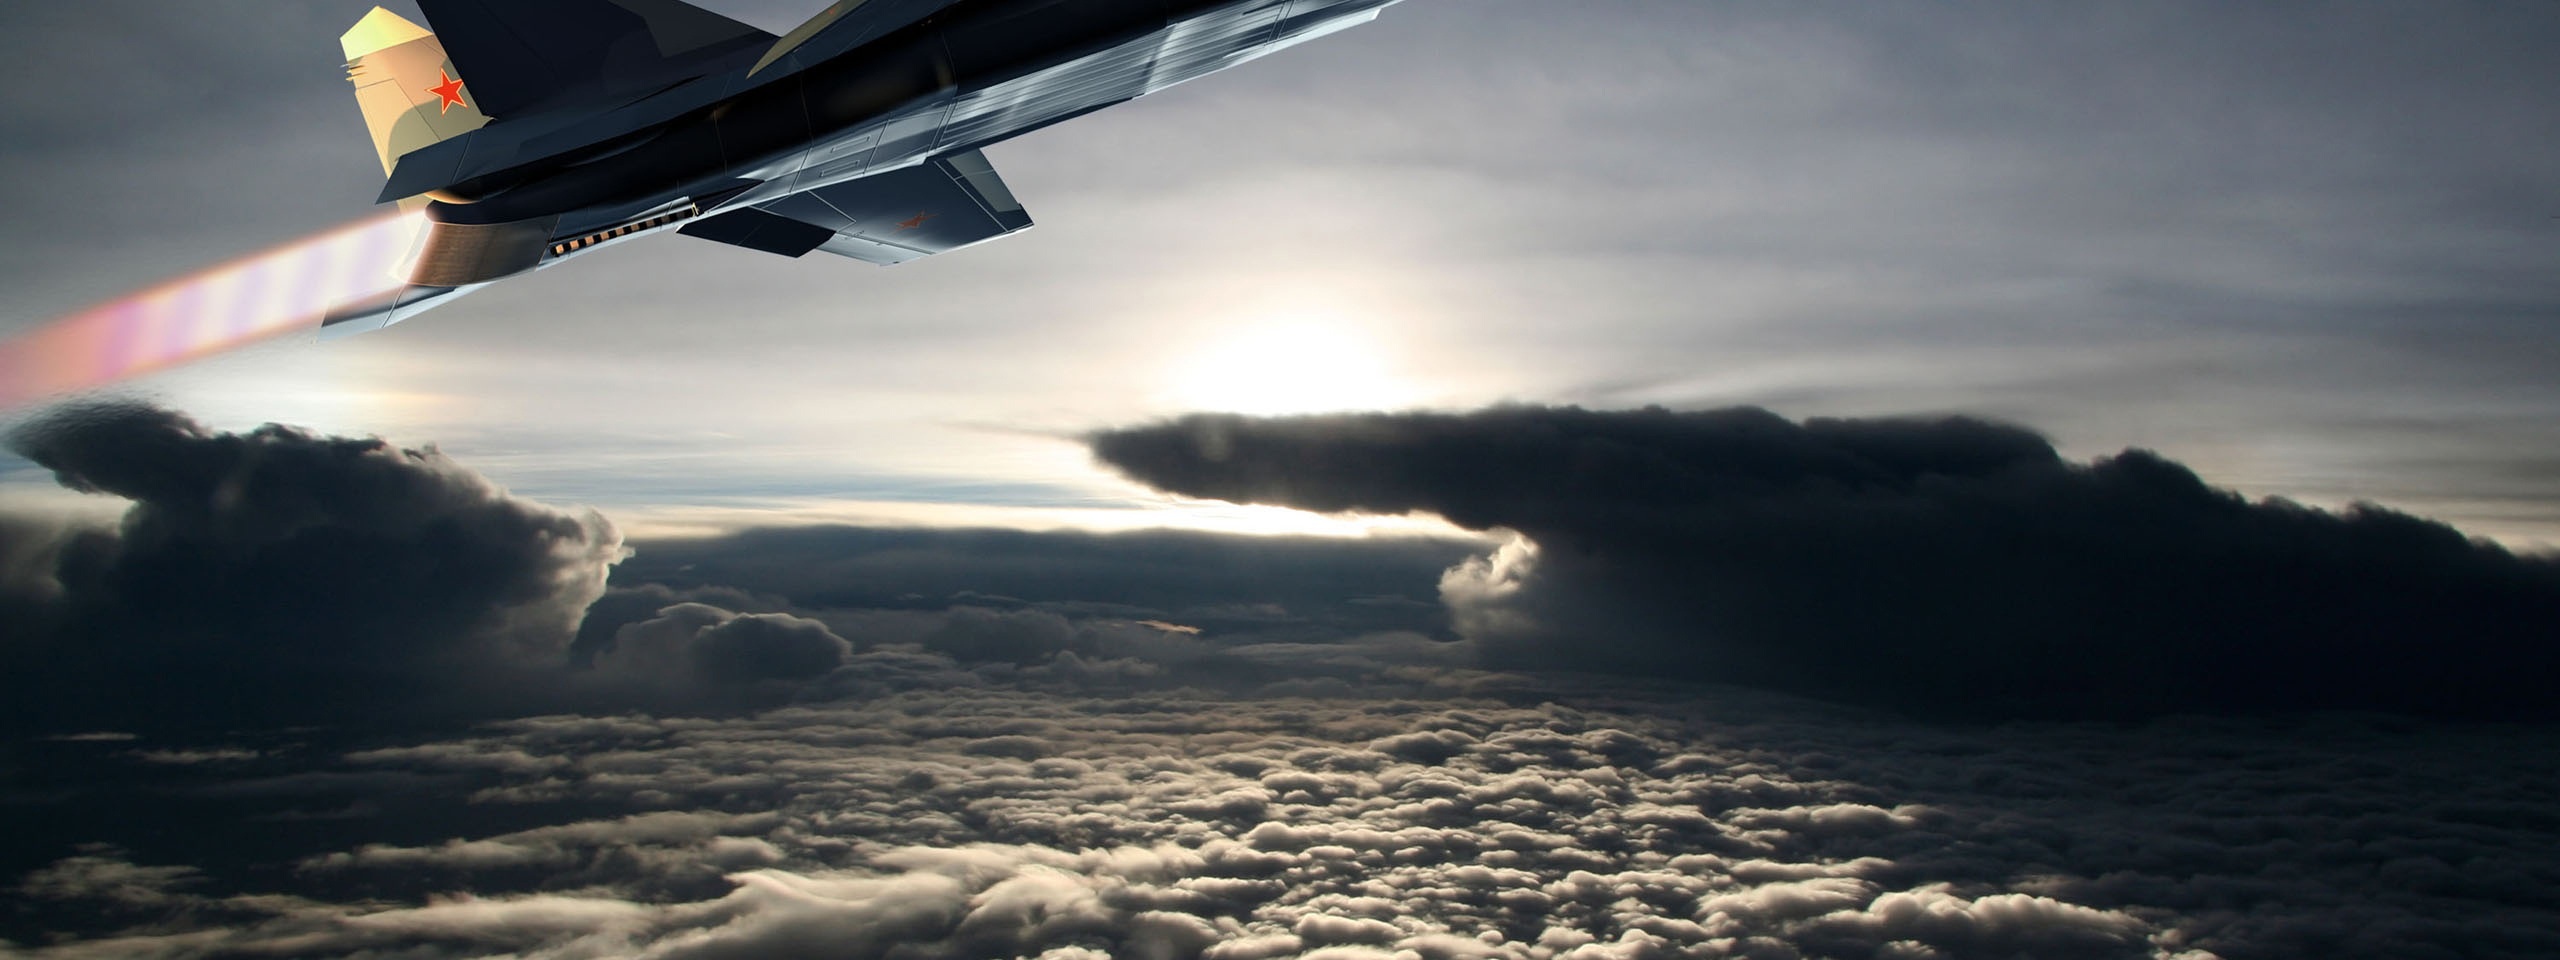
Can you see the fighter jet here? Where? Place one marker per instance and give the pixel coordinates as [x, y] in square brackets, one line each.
[532, 132]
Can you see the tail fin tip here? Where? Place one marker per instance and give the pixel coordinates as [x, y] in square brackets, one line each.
[378, 31]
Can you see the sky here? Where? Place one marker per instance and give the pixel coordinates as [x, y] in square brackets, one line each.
[2307, 249]
[1605, 480]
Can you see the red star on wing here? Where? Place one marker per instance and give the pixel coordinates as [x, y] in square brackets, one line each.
[450, 90]
[914, 222]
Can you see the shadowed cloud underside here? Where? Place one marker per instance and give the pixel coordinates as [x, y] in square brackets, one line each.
[1948, 566]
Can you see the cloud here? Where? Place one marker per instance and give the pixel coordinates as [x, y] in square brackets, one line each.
[1319, 586]
[1610, 820]
[278, 576]
[695, 655]
[1946, 566]
[1077, 609]
[1954, 567]
[985, 764]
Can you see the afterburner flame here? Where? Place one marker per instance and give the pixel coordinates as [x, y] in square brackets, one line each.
[288, 288]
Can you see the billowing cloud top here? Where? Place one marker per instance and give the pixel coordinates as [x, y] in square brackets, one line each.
[1949, 566]
[279, 576]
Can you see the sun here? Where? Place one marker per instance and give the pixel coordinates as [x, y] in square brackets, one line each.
[1285, 367]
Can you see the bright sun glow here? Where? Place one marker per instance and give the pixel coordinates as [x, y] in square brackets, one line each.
[1286, 367]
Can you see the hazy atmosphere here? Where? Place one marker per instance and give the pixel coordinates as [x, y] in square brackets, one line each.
[1532, 480]
[2306, 248]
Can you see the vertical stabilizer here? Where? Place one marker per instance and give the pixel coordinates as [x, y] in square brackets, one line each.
[528, 55]
[407, 86]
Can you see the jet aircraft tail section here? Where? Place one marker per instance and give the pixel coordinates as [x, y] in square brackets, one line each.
[523, 54]
[406, 85]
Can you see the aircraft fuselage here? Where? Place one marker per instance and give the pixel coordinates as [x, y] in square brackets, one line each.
[970, 74]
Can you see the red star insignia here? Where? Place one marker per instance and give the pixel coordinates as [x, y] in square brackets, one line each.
[450, 90]
[914, 222]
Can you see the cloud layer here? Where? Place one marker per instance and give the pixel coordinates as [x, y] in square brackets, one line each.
[979, 744]
[932, 820]
[1949, 566]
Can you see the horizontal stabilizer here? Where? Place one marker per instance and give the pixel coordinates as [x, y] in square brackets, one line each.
[890, 218]
[757, 230]
[903, 215]
[520, 54]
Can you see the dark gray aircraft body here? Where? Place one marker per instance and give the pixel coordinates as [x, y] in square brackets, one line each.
[534, 131]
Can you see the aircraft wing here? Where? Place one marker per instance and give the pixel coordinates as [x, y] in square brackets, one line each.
[935, 207]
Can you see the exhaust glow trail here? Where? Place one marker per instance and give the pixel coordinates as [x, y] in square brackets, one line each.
[223, 308]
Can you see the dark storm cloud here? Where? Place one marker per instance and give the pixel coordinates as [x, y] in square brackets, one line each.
[279, 576]
[1603, 823]
[1946, 566]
